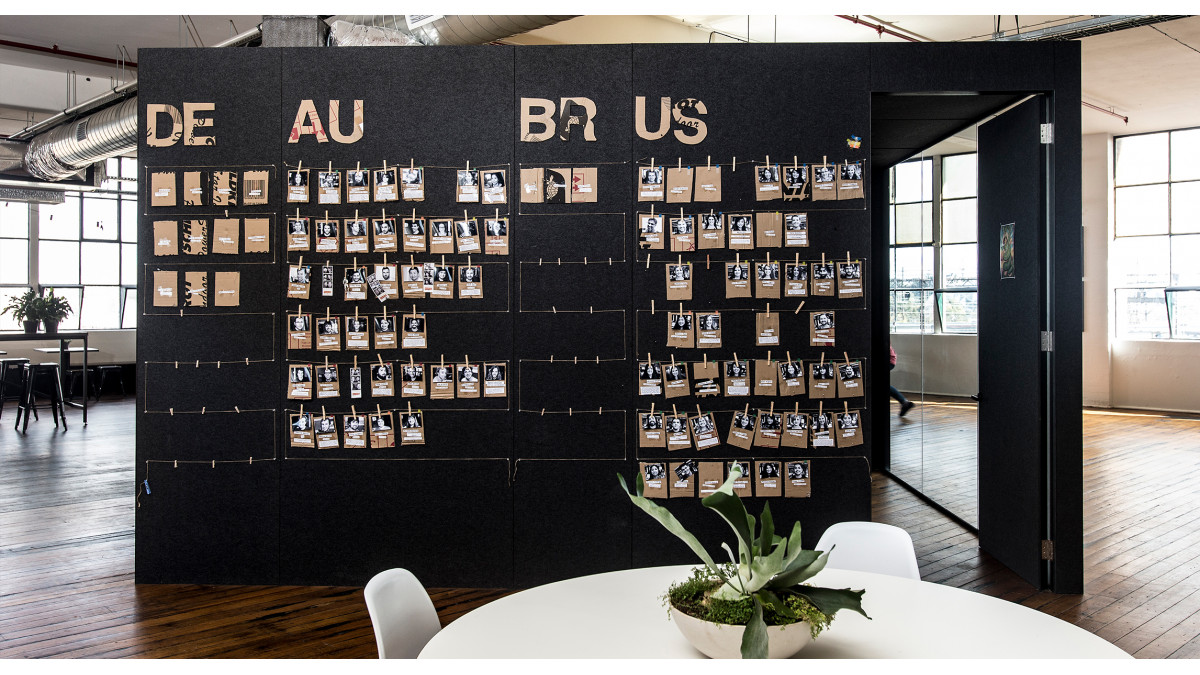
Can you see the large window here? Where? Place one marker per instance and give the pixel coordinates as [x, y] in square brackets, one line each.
[1156, 237]
[14, 256]
[933, 245]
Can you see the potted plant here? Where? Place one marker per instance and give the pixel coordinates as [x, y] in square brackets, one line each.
[51, 309]
[760, 592]
[22, 309]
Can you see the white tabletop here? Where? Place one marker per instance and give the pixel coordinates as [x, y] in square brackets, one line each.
[620, 615]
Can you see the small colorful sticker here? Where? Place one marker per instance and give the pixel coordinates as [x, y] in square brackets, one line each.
[854, 142]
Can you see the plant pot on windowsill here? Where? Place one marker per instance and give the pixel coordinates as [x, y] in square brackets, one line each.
[50, 326]
[30, 327]
[51, 309]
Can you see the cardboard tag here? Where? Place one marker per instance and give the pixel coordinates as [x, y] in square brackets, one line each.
[554, 187]
[795, 179]
[381, 431]
[329, 335]
[704, 431]
[442, 377]
[329, 236]
[712, 231]
[467, 190]
[680, 331]
[531, 186]
[495, 380]
[821, 383]
[166, 288]
[796, 280]
[354, 431]
[413, 282]
[441, 235]
[850, 181]
[494, 191]
[770, 427]
[705, 377]
[765, 373]
[326, 433]
[327, 281]
[650, 430]
[823, 279]
[414, 235]
[768, 228]
[443, 282]
[356, 383]
[824, 184]
[162, 188]
[470, 281]
[820, 425]
[495, 241]
[848, 432]
[382, 382]
[791, 378]
[768, 482]
[224, 188]
[737, 280]
[228, 289]
[302, 431]
[226, 235]
[383, 231]
[412, 428]
[708, 184]
[766, 329]
[795, 432]
[193, 235]
[797, 482]
[166, 237]
[254, 187]
[678, 436]
[329, 187]
[298, 234]
[766, 183]
[327, 381]
[258, 235]
[386, 277]
[412, 382]
[193, 188]
[414, 336]
[358, 186]
[741, 430]
[654, 479]
[679, 281]
[823, 328]
[354, 284]
[737, 378]
[741, 484]
[711, 475]
[650, 379]
[385, 331]
[709, 333]
[385, 185]
[466, 233]
[297, 191]
[358, 333]
[650, 184]
[849, 280]
[299, 331]
[795, 229]
[412, 184]
[583, 185]
[356, 235]
[679, 185]
[766, 275]
[683, 237]
[300, 385]
[850, 382]
[675, 380]
[650, 231]
[195, 289]
[682, 479]
[741, 231]
[468, 380]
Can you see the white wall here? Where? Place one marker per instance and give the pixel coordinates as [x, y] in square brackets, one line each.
[949, 364]
[1097, 231]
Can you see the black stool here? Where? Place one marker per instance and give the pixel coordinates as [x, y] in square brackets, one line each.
[29, 374]
[73, 375]
[11, 386]
[105, 372]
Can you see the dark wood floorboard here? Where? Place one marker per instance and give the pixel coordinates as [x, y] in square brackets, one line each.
[66, 549]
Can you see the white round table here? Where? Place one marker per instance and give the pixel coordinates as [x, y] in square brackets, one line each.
[620, 615]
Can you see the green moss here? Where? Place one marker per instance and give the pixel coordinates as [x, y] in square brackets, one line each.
[693, 596]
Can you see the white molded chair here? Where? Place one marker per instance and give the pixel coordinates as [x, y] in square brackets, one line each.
[402, 614]
[870, 547]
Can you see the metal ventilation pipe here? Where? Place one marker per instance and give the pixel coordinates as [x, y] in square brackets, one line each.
[460, 29]
[65, 150]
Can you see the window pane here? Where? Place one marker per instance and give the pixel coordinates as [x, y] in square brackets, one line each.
[1184, 309]
[112, 169]
[914, 223]
[892, 225]
[101, 307]
[14, 261]
[1141, 159]
[7, 322]
[1141, 313]
[959, 266]
[130, 313]
[129, 219]
[959, 221]
[100, 263]
[14, 219]
[914, 181]
[958, 176]
[58, 262]
[1185, 260]
[1141, 210]
[129, 264]
[59, 221]
[100, 218]
[912, 311]
[73, 298]
[912, 267]
[129, 170]
[1139, 261]
[1185, 154]
[959, 312]
[1185, 207]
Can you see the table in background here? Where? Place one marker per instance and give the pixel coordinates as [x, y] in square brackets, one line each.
[621, 615]
[64, 356]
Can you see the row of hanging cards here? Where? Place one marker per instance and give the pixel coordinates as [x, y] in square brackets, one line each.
[415, 235]
[824, 181]
[788, 478]
[390, 184]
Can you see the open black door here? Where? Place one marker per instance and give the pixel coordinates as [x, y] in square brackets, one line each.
[1012, 375]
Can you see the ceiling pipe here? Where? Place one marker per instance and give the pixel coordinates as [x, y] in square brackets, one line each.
[1106, 111]
[1077, 30]
[460, 29]
[69, 54]
[878, 28]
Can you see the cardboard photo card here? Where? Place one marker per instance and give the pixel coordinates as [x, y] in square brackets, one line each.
[227, 287]
[743, 484]
[650, 184]
[650, 231]
[328, 385]
[679, 184]
[193, 237]
[470, 281]
[494, 186]
[495, 239]
[531, 186]
[795, 430]
[849, 279]
[741, 231]
[357, 235]
[195, 289]
[823, 279]
[821, 382]
[441, 379]
[441, 235]
[412, 281]
[768, 229]
[770, 428]
[768, 481]
[224, 188]
[795, 230]
[329, 334]
[254, 187]
[383, 383]
[824, 182]
[850, 379]
[429, 272]
[354, 283]
[679, 281]
[682, 479]
[796, 484]
[791, 378]
[382, 433]
[766, 329]
[300, 381]
[414, 235]
[650, 430]
[299, 331]
[466, 236]
[683, 233]
[298, 234]
[358, 333]
[358, 186]
[850, 180]
[678, 436]
[193, 188]
[766, 374]
[329, 186]
[650, 378]
[384, 328]
[226, 236]
[326, 432]
[711, 232]
[495, 380]
[383, 234]
[654, 479]
[414, 335]
[412, 428]
[795, 283]
[737, 280]
[299, 281]
[823, 328]
[820, 425]
[766, 279]
[166, 237]
[708, 329]
[443, 282]
[681, 331]
[849, 433]
[554, 186]
[356, 382]
[704, 431]
[795, 177]
[162, 188]
[297, 186]
[166, 288]
[412, 379]
[767, 184]
[583, 185]
[708, 184]
[384, 185]
[388, 278]
[329, 238]
[710, 477]
[675, 380]
[354, 431]
[301, 430]
[467, 187]
[467, 376]
[741, 430]
[737, 378]
[706, 377]
[412, 184]
[327, 281]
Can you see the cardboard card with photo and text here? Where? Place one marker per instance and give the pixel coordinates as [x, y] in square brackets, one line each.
[650, 184]
[412, 427]
[768, 481]
[297, 186]
[708, 184]
[301, 433]
[495, 236]
[166, 288]
[682, 479]
[822, 382]
[766, 373]
[300, 381]
[195, 289]
[382, 431]
[797, 481]
[298, 234]
[166, 237]
[768, 183]
[679, 184]
[654, 479]
[226, 235]
[743, 484]
[741, 230]
[675, 380]
[679, 281]
[849, 429]
[823, 327]
[254, 188]
[768, 229]
[650, 430]
[795, 430]
[741, 430]
[710, 230]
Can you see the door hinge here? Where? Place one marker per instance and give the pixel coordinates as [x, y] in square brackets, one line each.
[1047, 340]
[1047, 549]
[1047, 134]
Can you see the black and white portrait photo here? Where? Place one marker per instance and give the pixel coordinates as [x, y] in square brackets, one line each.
[823, 320]
[795, 175]
[848, 420]
[652, 421]
[709, 321]
[795, 222]
[384, 324]
[327, 229]
[851, 270]
[493, 180]
[300, 322]
[676, 424]
[328, 326]
[468, 373]
[354, 423]
[385, 176]
[411, 176]
[681, 226]
[410, 420]
[768, 470]
[702, 424]
[442, 374]
[650, 371]
[768, 174]
[770, 421]
[381, 423]
[356, 178]
[681, 321]
[414, 324]
[821, 422]
[738, 272]
[415, 227]
[651, 224]
[444, 274]
[300, 373]
[739, 223]
[327, 374]
[381, 372]
[796, 272]
[385, 226]
[413, 373]
[652, 176]
[680, 272]
[326, 425]
[298, 225]
[496, 228]
[298, 274]
[797, 470]
[790, 370]
[821, 371]
[297, 178]
[302, 422]
[797, 422]
[494, 373]
[467, 228]
[768, 271]
[356, 324]
[742, 467]
[743, 421]
[850, 371]
[852, 171]
[356, 228]
[823, 174]
[411, 272]
[675, 372]
[442, 228]
[470, 274]
[356, 275]
[822, 271]
[655, 470]
[467, 178]
[710, 221]
[735, 369]
[683, 471]
[329, 179]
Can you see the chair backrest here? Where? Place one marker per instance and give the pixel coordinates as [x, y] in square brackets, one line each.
[870, 547]
[402, 614]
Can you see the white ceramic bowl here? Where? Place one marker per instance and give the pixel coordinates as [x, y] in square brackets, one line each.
[721, 641]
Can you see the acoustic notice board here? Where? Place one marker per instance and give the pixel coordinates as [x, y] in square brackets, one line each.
[419, 307]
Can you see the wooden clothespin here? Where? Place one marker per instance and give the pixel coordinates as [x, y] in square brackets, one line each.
[708, 162]
[798, 308]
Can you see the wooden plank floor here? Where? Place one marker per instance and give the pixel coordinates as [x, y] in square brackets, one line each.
[66, 555]
[935, 450]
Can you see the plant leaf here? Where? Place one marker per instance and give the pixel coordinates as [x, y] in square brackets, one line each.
[668, 521]
[794, 547]
[801, 570]
[754, 640]
[766, 533]
[830, 600]
[769, 599]
[729, 506]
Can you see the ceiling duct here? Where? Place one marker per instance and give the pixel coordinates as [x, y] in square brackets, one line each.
[31, 195]
[1078, 30]
[12, 156]
[66, 150]
[461, 29]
